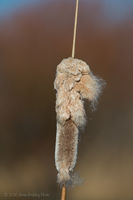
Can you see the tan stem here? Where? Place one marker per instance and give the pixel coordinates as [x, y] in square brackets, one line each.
[63, 193]
[75, 28]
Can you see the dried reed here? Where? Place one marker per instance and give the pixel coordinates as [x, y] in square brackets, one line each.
[74, 83]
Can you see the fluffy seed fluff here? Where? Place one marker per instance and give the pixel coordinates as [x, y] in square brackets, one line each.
[74, 83]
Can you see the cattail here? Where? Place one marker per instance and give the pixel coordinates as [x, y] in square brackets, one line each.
[74, 83]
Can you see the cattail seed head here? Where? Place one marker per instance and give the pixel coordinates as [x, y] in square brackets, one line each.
[74, 83]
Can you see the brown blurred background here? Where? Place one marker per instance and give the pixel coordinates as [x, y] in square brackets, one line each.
[33, 39]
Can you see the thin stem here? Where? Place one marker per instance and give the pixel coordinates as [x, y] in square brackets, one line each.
[63, 193]
[75, 29]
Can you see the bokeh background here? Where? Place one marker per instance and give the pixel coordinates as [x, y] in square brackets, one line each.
[34, 37]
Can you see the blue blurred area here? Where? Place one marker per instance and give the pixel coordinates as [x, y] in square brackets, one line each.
[118, 9]
[8, 6]
[115, 9]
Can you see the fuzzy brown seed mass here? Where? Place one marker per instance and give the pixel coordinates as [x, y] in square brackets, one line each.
[74, 83]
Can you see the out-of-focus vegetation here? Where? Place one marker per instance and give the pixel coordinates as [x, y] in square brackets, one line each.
[33, 40]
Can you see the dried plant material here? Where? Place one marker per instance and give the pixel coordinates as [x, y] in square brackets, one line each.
[74, 83]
